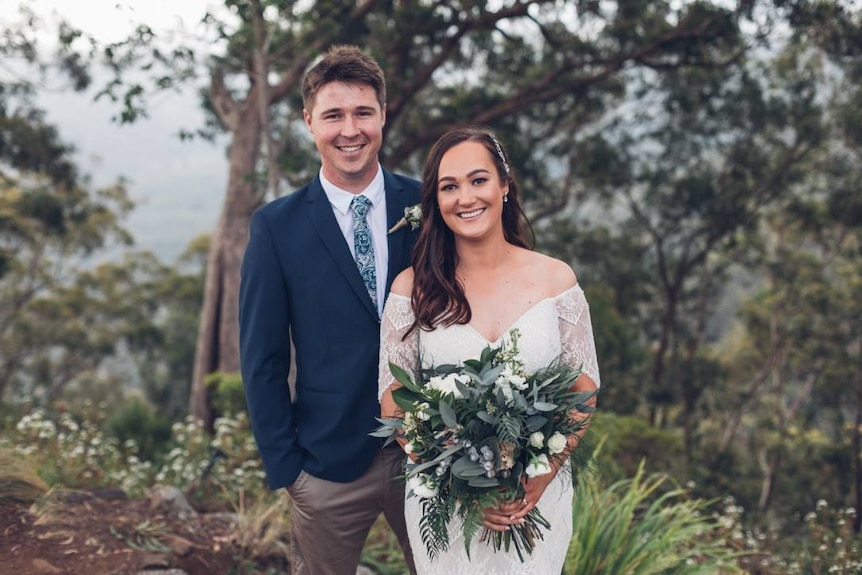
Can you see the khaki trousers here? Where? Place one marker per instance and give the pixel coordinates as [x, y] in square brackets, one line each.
[330, 521]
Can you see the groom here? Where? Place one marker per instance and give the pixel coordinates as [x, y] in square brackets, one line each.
[318, 267]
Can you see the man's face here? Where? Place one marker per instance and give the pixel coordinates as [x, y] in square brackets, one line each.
[346, 122]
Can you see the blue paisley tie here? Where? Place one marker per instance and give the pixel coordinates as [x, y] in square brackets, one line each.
[362, 248]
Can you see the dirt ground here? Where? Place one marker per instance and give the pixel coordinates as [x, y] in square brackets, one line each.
[88, 534]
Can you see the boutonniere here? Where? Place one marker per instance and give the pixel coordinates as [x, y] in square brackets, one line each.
[412, 216]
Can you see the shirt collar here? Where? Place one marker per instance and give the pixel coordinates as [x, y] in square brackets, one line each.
[340, 199]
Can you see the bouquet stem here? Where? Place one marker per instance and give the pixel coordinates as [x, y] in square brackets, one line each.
[522, 537]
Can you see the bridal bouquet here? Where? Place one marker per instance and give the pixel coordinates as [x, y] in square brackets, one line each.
[475, 431]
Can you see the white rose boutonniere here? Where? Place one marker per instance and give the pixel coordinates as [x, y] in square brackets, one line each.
[412, 216]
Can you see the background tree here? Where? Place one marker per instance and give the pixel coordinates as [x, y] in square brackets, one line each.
[65, 319]
[535, 70]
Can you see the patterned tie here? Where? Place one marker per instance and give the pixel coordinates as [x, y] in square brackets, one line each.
[363, 250]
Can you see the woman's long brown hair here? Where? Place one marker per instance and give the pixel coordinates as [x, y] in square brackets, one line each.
[438, 297]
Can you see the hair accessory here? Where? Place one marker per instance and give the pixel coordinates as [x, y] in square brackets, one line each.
[500, 153]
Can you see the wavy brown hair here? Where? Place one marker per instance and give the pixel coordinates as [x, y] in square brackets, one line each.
[343, 63]
[438, 297]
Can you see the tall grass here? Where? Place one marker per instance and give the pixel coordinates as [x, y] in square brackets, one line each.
[644, 526]
[19, 479]
[262, 528]
[382, 553]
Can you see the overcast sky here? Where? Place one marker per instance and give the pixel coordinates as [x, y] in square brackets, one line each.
[178, 186]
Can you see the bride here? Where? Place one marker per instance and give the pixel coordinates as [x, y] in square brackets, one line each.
[474, 277]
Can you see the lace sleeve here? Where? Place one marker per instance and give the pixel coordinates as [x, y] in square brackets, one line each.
[397, 319]
[576, 332]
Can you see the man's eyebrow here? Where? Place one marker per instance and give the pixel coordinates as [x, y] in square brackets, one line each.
[340, 110]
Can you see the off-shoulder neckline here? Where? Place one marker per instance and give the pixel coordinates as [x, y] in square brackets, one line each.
[575, 288]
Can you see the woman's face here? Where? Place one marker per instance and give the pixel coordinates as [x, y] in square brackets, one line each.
[469, 192]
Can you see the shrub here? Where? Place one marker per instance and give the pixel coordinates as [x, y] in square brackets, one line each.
[228, 394]
[76, 454]
[138, 422]
[829, 544]
[628, 441]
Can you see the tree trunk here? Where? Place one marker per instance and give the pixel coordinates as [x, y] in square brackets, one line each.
[857, 446]
[768, 465]
[217, 347]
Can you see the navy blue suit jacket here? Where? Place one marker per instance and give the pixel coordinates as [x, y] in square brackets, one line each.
[299, 278]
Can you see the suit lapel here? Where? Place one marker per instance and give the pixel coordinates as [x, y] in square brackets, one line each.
[396, 201]
[323, 220]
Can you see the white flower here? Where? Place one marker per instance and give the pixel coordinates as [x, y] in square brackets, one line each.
[503, 385]
[421, 413]
[446, 385]
[537, 439]
[423, 486]
[408, 448]
[539, 465]
[412, 216]
[510, 378]
[409, 423]
[557, 443]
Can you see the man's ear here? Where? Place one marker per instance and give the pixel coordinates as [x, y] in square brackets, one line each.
[307, 117]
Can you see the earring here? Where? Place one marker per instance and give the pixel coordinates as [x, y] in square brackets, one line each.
[506, 198]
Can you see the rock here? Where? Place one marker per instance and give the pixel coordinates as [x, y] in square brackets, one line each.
[154, 561]
[223, 517]
[172, 501]
[110, 494]
[180, 546]
[42, 566]
[72, 497]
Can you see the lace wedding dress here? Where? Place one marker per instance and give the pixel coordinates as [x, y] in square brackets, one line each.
[551, 327]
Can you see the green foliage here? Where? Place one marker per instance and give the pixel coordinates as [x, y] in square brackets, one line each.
[75, 453]
[629, 441]
[137, 423]
[622, 355]
[227, 393]
[641, 526]
[381, 552]
[215, 468]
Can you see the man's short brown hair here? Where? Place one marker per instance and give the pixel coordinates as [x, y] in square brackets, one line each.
[343, 63]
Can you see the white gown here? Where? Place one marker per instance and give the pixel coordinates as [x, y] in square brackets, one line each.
[553, 326]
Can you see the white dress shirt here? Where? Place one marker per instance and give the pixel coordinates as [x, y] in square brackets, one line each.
[340, 201]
